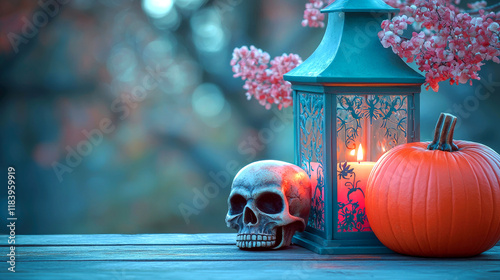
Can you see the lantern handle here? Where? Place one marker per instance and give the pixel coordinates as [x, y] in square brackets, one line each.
[443, 134]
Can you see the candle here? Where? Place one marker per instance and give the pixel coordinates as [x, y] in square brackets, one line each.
[351, 186]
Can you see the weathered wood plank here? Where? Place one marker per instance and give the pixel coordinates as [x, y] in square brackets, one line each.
[214, 256]
[231, 270]
[197, 253]
[122, 239]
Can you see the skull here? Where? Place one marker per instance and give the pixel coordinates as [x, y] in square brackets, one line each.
[269, 201]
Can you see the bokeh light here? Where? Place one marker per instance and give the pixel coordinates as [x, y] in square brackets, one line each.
[160, 51]
[190, 4]
[122, 63]
[208, 32]
[207, 100]
[170, 21]
[157, 8]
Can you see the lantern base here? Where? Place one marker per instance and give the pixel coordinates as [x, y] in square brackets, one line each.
[339, 247]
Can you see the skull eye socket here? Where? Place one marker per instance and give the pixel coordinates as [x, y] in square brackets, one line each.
[270, 203]
[238, 203]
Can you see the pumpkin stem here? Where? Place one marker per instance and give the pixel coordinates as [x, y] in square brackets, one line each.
[443, 134]
[449, 140]
[437, 132]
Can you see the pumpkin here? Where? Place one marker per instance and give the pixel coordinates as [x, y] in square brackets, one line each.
[438, 199]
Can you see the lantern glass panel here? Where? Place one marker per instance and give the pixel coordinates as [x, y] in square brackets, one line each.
[367, 127]
[312, 152]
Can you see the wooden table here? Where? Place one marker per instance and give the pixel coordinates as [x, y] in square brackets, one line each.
[215, 256]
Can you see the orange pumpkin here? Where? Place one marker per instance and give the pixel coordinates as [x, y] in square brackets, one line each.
[436, 200]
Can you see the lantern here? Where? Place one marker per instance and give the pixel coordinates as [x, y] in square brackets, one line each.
[353, 101]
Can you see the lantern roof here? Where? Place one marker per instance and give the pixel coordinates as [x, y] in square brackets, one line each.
[359, 6]
[351, 51]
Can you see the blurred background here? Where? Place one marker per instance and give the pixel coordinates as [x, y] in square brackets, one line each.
[122, 116]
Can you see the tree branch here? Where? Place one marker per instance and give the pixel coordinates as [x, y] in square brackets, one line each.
[491, 8]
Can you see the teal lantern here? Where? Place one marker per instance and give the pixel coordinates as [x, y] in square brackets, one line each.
[353, 101]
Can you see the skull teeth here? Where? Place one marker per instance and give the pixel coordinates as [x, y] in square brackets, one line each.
[254, 244]
[253, 237]
[255, 240]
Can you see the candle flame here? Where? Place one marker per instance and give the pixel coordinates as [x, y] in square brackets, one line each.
[360, 153]
[353, 152]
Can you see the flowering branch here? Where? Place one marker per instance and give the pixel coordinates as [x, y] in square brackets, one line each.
[264, 83]
[449, 44]
[312, 14]
[478, 6]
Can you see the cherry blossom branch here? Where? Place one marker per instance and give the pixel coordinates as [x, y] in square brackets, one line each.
[449, 44]
[312, 14]
[262, 82]
[477, 10]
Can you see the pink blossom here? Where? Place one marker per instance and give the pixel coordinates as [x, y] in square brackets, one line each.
[477, 5]
[451, 45]
[448, 44]
[312, 14]
[262, 82]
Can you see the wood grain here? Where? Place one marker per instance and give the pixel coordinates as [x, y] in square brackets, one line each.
[446, 269]
[215, 256]
[196, 253]
[122, 239]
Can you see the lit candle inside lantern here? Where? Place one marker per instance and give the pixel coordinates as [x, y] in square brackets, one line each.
[351, 186]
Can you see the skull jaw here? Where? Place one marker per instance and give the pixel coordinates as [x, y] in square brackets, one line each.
[285, 236]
